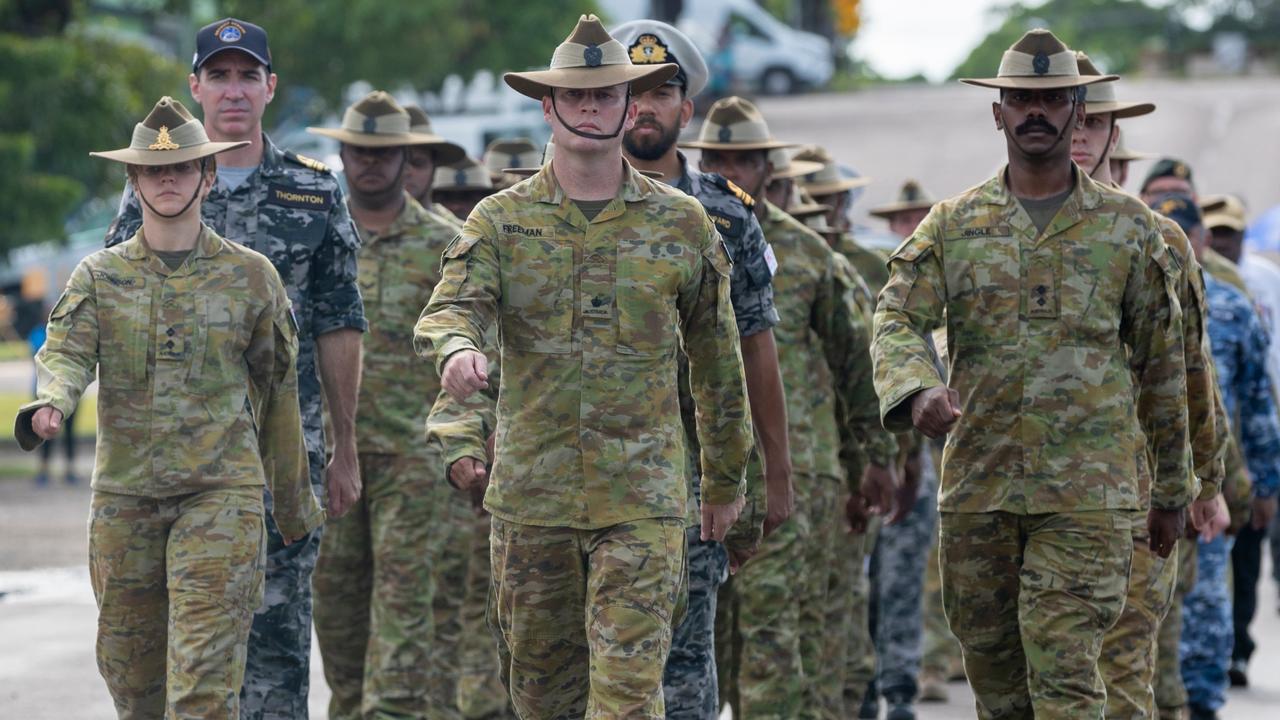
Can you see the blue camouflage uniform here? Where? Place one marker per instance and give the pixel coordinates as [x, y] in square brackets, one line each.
[689, 683]
[292, 210]
[1240, 353]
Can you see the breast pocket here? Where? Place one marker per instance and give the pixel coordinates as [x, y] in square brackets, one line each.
[646, 279]
[537, 288]
[1092, 287]
[219, 342]
[983, 287]
[124, 324]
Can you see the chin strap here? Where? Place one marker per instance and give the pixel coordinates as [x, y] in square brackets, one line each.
[186, 207]
[1106, 152]
[593, 136]
[1075, 103]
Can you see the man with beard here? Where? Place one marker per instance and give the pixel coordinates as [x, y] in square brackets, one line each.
[374, 580]
[690, 680]
[1064, 344]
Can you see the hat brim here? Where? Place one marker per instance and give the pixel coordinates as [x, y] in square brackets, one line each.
[796, 169]
[133, 156]
[804, 210]
[1130, 156]
[1120, 110]
[888, 211]
[1038, 82]
[830, 188]
[1213, 220]
[754, 145]
[537, 84]
[349, 137]
[443, 151]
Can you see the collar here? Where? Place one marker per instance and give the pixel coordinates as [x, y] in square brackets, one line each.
[1085, 197]
[272, 164]
[685, 183]
[207, 245]
[544, 188]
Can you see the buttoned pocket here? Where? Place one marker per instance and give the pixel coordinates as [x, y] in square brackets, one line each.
[217, 342]
[645, 296]
[1092, 292]
[537, 290]
[984, 283]
[124, 324]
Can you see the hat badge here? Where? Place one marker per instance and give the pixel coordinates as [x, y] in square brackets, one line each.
[230, 32]
[593, 55]
[163, 141]
[1040, 63]
[648, 49]
[1169, 206]
[1180, 171]
[460, 177]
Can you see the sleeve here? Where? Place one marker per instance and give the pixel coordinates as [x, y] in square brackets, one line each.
[459, 429]
[127, 221]
[335, 292]
[1259, 428]
[751, 286]
[1151, 326]
[465, 301]
[844, 327]
[69, 359]
[716, 377]
[273, 375]
[910, 307]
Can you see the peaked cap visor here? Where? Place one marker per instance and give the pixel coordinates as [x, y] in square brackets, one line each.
[537, 84]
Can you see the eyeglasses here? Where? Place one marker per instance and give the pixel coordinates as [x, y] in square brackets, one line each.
[179, 169]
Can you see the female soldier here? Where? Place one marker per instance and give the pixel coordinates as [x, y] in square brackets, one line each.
[193, 341]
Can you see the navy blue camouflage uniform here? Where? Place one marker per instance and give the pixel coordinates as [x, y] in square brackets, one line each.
[292, 210]
[1240, 353]
[690, 683]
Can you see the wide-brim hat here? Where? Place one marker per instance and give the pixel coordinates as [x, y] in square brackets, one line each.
[786, 167]
[169, 134]
[443, 151]
[1125, 153]
[1224, 211]
[590, 58]
[549, 152]
[375, 120]
[508, 152]
[912, 196]
[1101, 98]
[733, 123]
[827, 180]
[1038, 61]
[465, 174]
[651, 42]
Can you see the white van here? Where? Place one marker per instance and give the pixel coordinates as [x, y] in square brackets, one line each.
[767, 55]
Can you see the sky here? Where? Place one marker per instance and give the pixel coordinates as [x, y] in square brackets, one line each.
[900, 38]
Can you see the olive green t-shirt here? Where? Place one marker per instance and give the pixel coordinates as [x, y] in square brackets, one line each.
[591, 208]
[173, 258]
[1043, 210]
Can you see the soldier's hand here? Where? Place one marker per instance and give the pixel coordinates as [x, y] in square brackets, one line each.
[780, 497]
[878, 485]
[935, 411]
[717, 519]
[465, 372]
[1210, 518]
[342, 478]
[47, 422]
[856, 515]
[1263, 510]
[904, 497]
[1165, 527]
[468, 473]
[739, 557]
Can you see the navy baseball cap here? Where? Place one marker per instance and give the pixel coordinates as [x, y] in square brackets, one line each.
[1179, 208]
[231, 34]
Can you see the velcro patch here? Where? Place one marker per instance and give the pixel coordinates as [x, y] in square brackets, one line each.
[980, 232]
[131, 283]
[730, 226]
[299, 198]
[514, 229]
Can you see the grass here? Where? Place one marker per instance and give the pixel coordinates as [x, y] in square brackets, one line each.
[86, 416]
[15, 350]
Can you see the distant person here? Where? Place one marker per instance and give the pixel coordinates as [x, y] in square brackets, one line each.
[36, 340]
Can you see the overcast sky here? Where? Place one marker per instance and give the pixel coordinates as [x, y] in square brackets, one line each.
[900, 38]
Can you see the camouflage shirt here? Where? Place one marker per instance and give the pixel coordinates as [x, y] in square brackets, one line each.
[292, 210]
[824, 353]
[590, 315]
[1046, 334]
[398, 270]
[197, 384]
[872, 265]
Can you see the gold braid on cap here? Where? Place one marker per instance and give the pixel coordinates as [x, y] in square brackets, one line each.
[163, 141]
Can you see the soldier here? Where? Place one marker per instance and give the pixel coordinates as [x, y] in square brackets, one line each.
[1057, 294]
[194, 344]
[420, 170]
[780, 600]
[291, 209]
[829, 186]
[373, 583]
[782, 186]
[1128, 657]
[1240, 351]
[594, 274]
[690, 681]
[1120, 159]
[462, 184]
[511, 153]
[1170, 175]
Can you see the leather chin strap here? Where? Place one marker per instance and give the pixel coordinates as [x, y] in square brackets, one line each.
[186, 207]
[1075, 103]
[1106, 152]
[593, 136]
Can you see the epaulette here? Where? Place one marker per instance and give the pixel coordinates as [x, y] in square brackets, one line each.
[727, 185]
[306, 162]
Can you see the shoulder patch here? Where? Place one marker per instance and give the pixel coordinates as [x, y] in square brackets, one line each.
[306, 162]
[912, 249]
[727, 185]
[727, 225]
[287, 196]
[460, 245]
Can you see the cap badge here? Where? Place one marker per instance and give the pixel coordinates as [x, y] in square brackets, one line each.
[1169, 206]
[725, 134]
[460, 177]
[1180, 171]
[230, 32]
[593, 55]
[163, 141]
[1040, 63]
[370, 125]
[648, 49]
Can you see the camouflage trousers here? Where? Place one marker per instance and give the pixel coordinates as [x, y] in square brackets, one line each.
[1128, 659]
[373, 592]
[860, 659]
[1204, 650]
[941, 650]
[897, 585]
[1171, 696]
[690, 683]
[1030, 598]
[583, 618]
[758, 622]
[176, 580]
[277, 677]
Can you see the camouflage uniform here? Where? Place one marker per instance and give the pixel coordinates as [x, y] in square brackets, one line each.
[1240, 353]
[198, 410]
[690, 681]
[293, 211]
[373, 584]
[1034, 568]
[588, 491]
